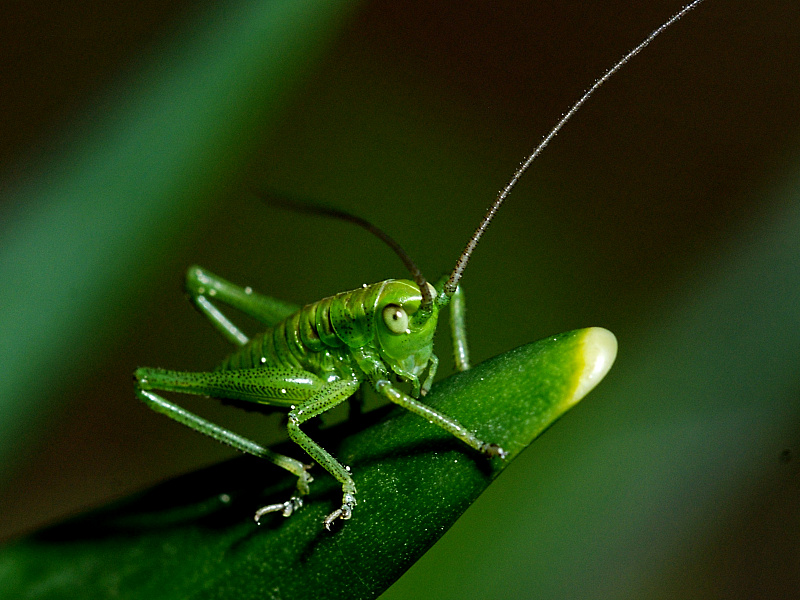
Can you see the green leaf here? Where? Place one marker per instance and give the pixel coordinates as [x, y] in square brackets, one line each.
[194, 537]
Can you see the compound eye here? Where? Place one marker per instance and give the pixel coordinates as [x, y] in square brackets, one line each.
[395, 318]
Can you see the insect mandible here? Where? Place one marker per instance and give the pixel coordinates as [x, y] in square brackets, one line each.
[312, 359]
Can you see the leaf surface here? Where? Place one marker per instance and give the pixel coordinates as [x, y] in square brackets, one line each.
[194, 537]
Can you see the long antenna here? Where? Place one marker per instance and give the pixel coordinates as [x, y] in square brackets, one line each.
[452, 283]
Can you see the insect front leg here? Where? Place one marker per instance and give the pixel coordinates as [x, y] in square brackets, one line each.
[458, 329]
[433, 366]
[202, 286]
[263, 385]
[458, 324]
[449, 424]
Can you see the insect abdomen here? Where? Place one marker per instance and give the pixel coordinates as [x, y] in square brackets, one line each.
[298, 341]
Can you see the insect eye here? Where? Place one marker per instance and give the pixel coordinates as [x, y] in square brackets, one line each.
[395, 318]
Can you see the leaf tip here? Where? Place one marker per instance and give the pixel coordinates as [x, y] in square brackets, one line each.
[599, 349]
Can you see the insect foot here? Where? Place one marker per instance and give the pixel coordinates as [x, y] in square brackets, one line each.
[492, 450]
[292, 504]
[344, 513]
[285, 508]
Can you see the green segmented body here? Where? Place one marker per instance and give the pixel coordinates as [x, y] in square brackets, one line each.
[341, 336]
[310, 337]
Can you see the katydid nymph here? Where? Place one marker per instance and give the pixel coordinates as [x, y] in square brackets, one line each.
[312, 359]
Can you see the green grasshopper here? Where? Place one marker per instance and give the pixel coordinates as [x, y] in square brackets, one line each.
[312, 359]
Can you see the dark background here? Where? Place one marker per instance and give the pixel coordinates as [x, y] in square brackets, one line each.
[666, 211]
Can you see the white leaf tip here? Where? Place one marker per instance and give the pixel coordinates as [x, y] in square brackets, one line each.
[599, 352]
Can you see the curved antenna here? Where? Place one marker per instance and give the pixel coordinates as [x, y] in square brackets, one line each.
[334, 213]
[452, 283]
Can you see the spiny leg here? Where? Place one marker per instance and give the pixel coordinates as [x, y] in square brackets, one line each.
[202, 286]
[450, 425]
[458, 329]
[433, 366]
[458, 324]
[334, 393]
[247, 384]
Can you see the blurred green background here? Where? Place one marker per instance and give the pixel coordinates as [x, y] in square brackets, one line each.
[667, 211]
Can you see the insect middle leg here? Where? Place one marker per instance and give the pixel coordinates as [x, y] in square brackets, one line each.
[450, 425]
